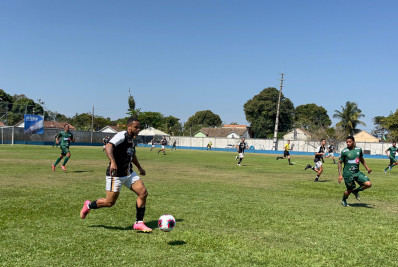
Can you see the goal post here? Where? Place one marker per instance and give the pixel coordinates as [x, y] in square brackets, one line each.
[7, 134]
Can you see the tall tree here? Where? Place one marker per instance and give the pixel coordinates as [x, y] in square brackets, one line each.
[4, 97]
[311, 117]
[379, 129]
[82, 121]
[150, 119]
[349, 117]
[391, 124]
[171, 125]
[21, 106]
[132, 111]
[261, 111]
[204, 118]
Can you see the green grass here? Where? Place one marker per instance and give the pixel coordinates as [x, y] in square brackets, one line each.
[262, 213]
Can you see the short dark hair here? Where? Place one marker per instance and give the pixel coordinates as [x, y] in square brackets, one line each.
[323, 139]
[131, 120]
[66, 124]
[351, 138]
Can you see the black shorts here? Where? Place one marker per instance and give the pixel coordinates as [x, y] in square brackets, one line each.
[286, 153]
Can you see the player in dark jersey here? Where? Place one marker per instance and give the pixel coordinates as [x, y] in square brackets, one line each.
[65, 137]
[351, 156]
[286, 153]
[105, 141]
[121, 153]
[331, 152]
[163, 142]
[153, 143]
[241, 150]
[391, 152]
[319, 154]
[174, 145]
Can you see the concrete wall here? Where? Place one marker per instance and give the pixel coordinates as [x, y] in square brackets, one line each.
[266, 144]
[255, 145]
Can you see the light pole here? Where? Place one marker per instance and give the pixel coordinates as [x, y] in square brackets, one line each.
[274, 146]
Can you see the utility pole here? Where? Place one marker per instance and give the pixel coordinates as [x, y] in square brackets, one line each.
[274, 146]
[92, 125]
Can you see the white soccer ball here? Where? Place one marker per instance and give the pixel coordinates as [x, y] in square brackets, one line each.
[166, 222]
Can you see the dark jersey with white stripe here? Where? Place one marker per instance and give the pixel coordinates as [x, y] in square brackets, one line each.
[320, 149]
[163, 142]
[331, 148]
[123, 152]
[241, 147]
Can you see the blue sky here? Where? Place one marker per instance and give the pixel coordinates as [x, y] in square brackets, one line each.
[179, 57]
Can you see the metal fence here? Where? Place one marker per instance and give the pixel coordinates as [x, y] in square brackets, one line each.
[17, 134]
[95, 138]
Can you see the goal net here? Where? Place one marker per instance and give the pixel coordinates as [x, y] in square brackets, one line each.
[7, 135]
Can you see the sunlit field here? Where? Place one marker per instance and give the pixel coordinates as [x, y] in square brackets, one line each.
[262, 213]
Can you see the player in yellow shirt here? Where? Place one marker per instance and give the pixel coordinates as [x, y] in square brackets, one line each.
[286, 153]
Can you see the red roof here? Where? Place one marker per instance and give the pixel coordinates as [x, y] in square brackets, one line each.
[234, 126]
[57, 125]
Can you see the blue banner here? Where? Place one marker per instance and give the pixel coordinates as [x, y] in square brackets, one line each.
[34, 124]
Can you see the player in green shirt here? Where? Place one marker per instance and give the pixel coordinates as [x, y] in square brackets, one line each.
[391, 151]
[351, 156]
[65, 137]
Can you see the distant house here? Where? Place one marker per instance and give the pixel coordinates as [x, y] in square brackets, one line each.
[297, 134]
[365, 137]
[110, 129]
[2, 124]
[48, 125]
[227, 131]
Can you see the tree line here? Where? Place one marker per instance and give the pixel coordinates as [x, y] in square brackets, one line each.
[260, 112]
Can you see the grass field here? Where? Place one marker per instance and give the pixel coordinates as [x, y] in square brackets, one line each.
[262, 213]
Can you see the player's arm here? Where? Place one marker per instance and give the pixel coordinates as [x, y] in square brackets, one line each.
[388, 155]
[109, 152]
[136, 163]
[73, 138]
[362, 160]
[339, 167]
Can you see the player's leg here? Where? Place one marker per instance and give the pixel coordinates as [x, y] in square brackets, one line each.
[350, 185]
[112, 187]
[364, 183]
[58, 160]
[241, 156]
[108, 201]
[68, 155]
[288, 158]
[139, 188]
[393, 162]
[308, 167]
[320, 170]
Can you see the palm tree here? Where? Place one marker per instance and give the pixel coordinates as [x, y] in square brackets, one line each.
[349, 117]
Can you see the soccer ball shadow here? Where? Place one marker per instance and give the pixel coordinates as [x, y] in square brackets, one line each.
[177, 243]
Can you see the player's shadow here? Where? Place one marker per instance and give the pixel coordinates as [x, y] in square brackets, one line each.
[324, 181]
[83, 171]
[362, 205]
[151, 224]
[177, 243]
[112, 227]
